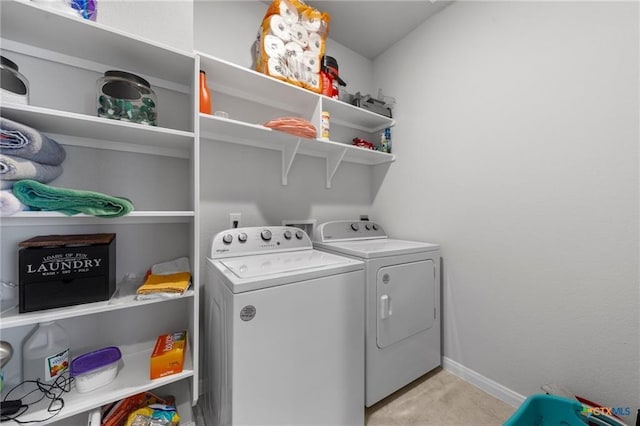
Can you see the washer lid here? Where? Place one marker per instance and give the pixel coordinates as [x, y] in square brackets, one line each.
[247, 273]
[369, 249]
[280, 263]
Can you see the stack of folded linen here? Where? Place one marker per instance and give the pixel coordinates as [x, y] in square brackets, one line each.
[25, 153]
[166, 280]
[28, 161]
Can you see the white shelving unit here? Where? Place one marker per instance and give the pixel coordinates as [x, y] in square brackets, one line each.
[14, 319]
[256, 135]
[91, 44]
[132, 378]
[92, 132]
[62, 57]
[39, 218]
[254, 98]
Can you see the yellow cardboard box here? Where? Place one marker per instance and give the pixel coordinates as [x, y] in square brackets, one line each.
[168, 354]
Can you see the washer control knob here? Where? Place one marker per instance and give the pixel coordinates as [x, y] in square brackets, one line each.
[355, 226]
[227, 238]
[375, 227]
[266, 235]
[367, 227]
[299, 235]
[287, 235]
[242, 237]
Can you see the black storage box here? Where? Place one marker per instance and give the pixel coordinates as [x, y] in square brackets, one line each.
[65, 270]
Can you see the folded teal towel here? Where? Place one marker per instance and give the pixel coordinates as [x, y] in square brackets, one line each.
[39, 196]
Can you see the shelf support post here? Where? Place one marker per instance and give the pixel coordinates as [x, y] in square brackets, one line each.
[288, 154]
[333, 161]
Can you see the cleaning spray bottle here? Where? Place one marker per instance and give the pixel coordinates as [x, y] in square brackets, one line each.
[45, 354]
[387, 137]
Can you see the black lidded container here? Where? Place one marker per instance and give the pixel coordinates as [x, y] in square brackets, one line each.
[65, 270]
[127, 97]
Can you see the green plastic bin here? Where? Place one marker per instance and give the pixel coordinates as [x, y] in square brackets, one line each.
[548, 410]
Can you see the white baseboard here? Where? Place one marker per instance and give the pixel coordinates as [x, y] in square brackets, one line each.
[491, 387]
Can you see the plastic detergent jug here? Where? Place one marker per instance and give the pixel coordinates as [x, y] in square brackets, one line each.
[45, 354]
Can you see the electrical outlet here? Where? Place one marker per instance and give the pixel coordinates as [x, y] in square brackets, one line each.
[234, 220]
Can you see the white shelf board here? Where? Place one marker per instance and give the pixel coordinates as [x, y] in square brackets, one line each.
[25, 22]
[359, 155]
[102, 133]
[354, 117]
[241, 82]
[12, 318]
[132, 378]
[256, 135]
[42, 218]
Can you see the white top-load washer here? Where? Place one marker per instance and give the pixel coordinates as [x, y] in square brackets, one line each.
[283, 331]
[402, 302]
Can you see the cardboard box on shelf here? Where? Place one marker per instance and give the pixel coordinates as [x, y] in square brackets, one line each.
[168, 354]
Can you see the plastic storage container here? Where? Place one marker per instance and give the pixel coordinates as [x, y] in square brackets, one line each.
[15, 87]
[45, 354]
[87, 9]
[127, 97]
[8, 296]
[547, 410]
[205, 94]
[95, 369]
[326, 125]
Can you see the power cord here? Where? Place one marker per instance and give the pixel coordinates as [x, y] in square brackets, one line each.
[12, 409]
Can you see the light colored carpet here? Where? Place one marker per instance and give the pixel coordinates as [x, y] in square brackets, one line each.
[440, 399]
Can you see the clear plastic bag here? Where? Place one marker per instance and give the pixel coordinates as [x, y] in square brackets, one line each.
[291, 43]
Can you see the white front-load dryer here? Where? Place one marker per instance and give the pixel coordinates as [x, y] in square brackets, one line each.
[402, 303]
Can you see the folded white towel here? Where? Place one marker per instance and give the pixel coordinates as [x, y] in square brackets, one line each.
[174, 266]
[9, 204]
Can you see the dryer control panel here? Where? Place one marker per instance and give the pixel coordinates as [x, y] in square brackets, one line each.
[346, 230]
[256, 240]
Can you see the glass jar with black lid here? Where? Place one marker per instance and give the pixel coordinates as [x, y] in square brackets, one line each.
[127, 97]
[15, 87]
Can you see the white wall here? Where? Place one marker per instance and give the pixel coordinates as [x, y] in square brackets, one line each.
[169, 22]
[517, 149]
[248, 180]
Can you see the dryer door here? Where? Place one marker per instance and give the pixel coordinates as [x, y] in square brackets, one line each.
[406, 301]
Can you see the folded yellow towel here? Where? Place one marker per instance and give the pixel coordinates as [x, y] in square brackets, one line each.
[171, 283]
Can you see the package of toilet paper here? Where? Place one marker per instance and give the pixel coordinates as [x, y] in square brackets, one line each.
[291, 43]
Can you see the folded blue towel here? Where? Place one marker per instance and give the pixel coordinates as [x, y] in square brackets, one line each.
[13, 169]
[22, 141]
